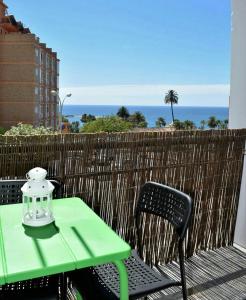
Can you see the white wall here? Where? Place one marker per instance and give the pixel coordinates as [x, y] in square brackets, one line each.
[237, 111]
[237, 115]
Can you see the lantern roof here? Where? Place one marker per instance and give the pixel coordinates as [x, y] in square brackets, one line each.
[37, 174]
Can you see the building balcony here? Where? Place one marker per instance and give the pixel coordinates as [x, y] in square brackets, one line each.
[107, 171]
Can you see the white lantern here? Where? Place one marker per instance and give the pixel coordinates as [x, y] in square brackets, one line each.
[37, 196]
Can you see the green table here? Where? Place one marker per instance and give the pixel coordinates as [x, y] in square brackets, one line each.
[78, 239]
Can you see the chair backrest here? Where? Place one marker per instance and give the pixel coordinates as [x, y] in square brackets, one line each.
[166, 202]
[10, 190]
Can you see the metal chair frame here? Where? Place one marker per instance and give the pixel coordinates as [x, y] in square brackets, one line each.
[154, 199]
[10, 193]
[167, 213]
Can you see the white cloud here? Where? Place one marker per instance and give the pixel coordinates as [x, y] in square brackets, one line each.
[189, 95]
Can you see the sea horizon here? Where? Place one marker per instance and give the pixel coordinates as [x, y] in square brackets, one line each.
[151, 112]
[224, 106]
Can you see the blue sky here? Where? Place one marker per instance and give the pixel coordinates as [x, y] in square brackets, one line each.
[133, 51]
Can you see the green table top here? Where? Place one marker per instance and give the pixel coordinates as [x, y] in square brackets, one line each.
[79, 238]
[2, 277]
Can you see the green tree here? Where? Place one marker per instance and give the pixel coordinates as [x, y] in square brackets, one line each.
[189, 125]
[171, 98]
[85, 118]
[138, 120]
[178, 125]
[160, 122]
[123, 113]
[65, 119]
[107, 124]
[202, 124]
[74, 127]
[212, 122]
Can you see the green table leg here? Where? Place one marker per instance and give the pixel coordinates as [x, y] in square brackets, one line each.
[123, 279]
[78, 296]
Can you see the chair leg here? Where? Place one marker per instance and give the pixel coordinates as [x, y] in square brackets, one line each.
[63, 286]
[182, 270]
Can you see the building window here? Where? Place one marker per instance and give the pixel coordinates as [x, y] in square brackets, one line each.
[51, 81]
[42, 76]
[42, 111]
[36, 90]
[37, 109]
[47, 61]
[37, 54]
[37, 73]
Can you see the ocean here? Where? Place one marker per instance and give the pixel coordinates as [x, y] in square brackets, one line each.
[151, 113]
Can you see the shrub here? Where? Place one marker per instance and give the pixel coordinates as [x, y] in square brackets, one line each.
[65, 119]
[28, 129]
[107, 124]
[138, 120]
[2, 130]
[74, 127]
[87, 118]
[178, 125]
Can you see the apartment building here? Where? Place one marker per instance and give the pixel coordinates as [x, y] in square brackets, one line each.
[29, 70]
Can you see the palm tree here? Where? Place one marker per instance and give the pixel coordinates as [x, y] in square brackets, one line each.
[172, 98]
[160, 122]
[226, 123]
[212, 122]
[222, 124]
[189, 125]
[203, 124]
[123, 113]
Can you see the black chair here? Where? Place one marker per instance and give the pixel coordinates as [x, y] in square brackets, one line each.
[45, 288]
[155, 199]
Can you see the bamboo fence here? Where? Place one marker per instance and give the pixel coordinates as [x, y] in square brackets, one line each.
[107, 171]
